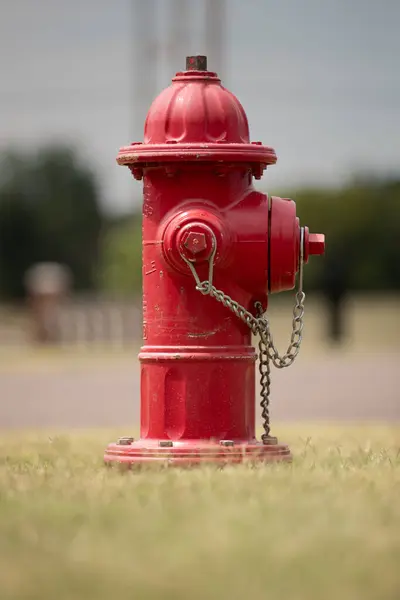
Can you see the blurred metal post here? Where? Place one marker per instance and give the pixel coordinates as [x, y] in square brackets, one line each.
[215, 26]
[178, 35]
[145, 60]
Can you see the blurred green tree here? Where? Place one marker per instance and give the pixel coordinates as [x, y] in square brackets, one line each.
[362, 227]
[122, 256]
[49, 211]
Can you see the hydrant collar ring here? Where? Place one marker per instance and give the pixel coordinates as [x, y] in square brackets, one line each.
[140, 154]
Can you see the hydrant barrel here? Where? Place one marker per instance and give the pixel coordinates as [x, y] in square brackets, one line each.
[213, 249]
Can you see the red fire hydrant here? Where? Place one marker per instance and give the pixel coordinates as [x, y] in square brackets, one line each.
[213, 249]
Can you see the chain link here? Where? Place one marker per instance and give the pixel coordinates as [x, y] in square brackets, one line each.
[260, 325]
[264, 367]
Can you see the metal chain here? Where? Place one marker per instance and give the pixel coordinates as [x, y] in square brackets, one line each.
[264, 368]
[260, 326]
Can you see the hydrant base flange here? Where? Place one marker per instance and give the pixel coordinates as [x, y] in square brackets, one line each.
[193, 452]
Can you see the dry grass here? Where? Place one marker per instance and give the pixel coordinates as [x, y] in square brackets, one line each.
[325, 527]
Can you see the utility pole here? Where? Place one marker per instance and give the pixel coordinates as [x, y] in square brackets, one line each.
[215, 26]
[146, 59]
[178, 34]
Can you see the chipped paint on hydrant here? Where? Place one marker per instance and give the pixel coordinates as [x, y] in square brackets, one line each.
[214, 248]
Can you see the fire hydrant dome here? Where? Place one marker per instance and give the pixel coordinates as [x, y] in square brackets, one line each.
[196, 118]
[196, 109]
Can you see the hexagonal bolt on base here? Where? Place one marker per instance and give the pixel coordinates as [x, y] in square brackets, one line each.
[125, 441]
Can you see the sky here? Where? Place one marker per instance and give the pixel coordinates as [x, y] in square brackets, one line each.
[319, 80]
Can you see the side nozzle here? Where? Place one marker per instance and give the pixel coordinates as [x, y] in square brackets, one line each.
[314, 244]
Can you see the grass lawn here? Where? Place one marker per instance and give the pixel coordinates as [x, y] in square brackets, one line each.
[325, 527]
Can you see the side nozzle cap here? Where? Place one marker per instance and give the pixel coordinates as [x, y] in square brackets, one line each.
[314, 244]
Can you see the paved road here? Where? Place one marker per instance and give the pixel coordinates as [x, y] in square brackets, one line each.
[107, 394]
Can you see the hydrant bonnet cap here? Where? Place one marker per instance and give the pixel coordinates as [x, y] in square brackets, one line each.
[196, 119]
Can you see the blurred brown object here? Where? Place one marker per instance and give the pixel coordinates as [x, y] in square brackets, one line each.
[47, 285]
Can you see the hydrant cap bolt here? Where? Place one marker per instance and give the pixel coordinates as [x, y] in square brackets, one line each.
[196, 63]
[195, 242]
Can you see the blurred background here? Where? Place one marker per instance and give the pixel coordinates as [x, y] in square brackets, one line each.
[320, 83]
